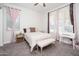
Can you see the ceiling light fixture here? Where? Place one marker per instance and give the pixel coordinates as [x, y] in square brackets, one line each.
[44, 5]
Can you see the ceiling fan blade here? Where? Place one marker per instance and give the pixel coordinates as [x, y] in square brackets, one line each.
[36, 4]
[44, 5]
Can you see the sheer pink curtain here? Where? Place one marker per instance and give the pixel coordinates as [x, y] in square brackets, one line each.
[13, 14]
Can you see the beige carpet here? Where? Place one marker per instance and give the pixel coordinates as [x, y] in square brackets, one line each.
[22, 49]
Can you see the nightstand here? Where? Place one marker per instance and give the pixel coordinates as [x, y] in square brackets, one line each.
[19, 37]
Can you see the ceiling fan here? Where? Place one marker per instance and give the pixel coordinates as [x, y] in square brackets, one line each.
[44, 5]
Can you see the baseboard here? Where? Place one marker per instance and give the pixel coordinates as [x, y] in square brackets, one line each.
[7, 42]
[1, 45]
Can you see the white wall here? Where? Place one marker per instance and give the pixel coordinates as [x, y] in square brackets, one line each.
[45, 22]
[28, 18]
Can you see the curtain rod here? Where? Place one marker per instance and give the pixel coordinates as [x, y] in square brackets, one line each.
[11, 7]
[59, 8]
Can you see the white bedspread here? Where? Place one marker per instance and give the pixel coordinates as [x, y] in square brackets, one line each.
[33, 37]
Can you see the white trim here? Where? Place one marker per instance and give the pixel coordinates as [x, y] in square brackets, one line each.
[55, 9]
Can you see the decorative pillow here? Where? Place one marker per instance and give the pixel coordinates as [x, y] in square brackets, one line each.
[24, 30]
[32, 29]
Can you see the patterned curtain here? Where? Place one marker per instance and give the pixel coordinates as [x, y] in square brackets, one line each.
[71, 15]
[13, 20]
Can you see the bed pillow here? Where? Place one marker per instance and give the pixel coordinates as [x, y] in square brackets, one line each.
[32, 29]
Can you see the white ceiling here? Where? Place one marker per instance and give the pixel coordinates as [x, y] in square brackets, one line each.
[40, 8]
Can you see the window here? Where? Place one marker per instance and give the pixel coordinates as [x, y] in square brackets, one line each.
[60, 21]
[64, 20]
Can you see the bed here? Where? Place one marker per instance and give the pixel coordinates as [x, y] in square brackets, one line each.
[33, 37]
